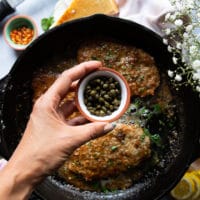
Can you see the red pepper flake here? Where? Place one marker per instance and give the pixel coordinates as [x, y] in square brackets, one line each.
[22, 35]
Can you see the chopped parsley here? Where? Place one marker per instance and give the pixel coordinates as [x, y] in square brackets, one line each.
[155, 138]
[113, 148]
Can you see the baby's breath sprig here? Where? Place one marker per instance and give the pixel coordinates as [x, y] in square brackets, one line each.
[182, 37]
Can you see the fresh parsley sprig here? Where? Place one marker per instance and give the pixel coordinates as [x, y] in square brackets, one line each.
[46, 23]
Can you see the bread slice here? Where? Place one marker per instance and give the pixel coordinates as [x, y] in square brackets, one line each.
[83, 8]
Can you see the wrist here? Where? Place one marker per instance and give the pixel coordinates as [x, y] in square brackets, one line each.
[16, 182]
[13, 184]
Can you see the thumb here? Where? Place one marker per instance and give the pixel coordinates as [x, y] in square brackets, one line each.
[88, 132]
[93, 130]
[97, 129]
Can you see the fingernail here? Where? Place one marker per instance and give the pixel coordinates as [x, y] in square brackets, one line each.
[109, 127]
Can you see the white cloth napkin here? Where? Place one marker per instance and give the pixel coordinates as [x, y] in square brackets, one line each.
[146, 12]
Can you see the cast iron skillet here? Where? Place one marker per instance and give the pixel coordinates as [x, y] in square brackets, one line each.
[16, 103]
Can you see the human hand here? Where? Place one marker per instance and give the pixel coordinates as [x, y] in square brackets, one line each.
[49, 139]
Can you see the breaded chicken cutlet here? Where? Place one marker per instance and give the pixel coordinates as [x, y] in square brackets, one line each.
[134, 64]
[123, 148]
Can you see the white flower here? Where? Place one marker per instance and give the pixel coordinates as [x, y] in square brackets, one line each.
[183, 59]
[189, 28]
[179, 6]
[178, 45]
[193, 49]
[185, 35]
[196, 76]
[178, 22]
[169, 48]
[198, 88]
[174, 59]
[170, 73]
[172, 17]
[196, 64]
[167, 16]
[184, 43]
[168, 31]
[178, 77]
[165, 41]
[190, 4]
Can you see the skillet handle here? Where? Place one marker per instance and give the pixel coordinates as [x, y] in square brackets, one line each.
[3, 86]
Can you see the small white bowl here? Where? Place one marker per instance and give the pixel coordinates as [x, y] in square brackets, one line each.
[125, 95]
[16, 22]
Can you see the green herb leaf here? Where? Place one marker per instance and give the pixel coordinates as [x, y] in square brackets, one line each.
[156, 109]
[142, 137]
[46, 23]
[113, 148]
[156, 139]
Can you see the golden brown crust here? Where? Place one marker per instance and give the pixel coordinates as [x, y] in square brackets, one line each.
[84, 8]
[111, 154]
[41, 82]
[137, 66]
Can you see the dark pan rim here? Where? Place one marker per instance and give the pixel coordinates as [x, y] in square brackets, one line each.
[116, 20]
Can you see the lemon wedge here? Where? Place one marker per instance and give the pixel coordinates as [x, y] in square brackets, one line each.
[197, 173]
[185, 188]
[196, 178]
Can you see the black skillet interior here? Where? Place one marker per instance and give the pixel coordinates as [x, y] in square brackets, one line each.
[65, 40]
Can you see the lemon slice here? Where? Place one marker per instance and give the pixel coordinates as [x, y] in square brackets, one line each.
[196, 179]
[184, 189]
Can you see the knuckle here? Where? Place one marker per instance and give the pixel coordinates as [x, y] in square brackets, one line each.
[93, 132]
[40, 104]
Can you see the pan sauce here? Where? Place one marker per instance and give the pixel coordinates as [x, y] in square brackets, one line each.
[152, 107]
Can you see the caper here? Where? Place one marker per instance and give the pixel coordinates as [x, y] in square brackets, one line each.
[98, 106]
[101, 99]
[102, 96]
[90, 108]
[112, 85]
[105, 86]
[89, 104]
[101, 112]
[88, 87]
[93, 93]
[106, 104]
[93, 112]
[112, 92]
[116, 102]
[106, 96]
[111, 107]
[109, 112]
[110, 80]
[104, 109]
[98, 88]
[97, 96]
[117, 91]
[116, 84]
[98, 80]
[103, 92]
[97, 113]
